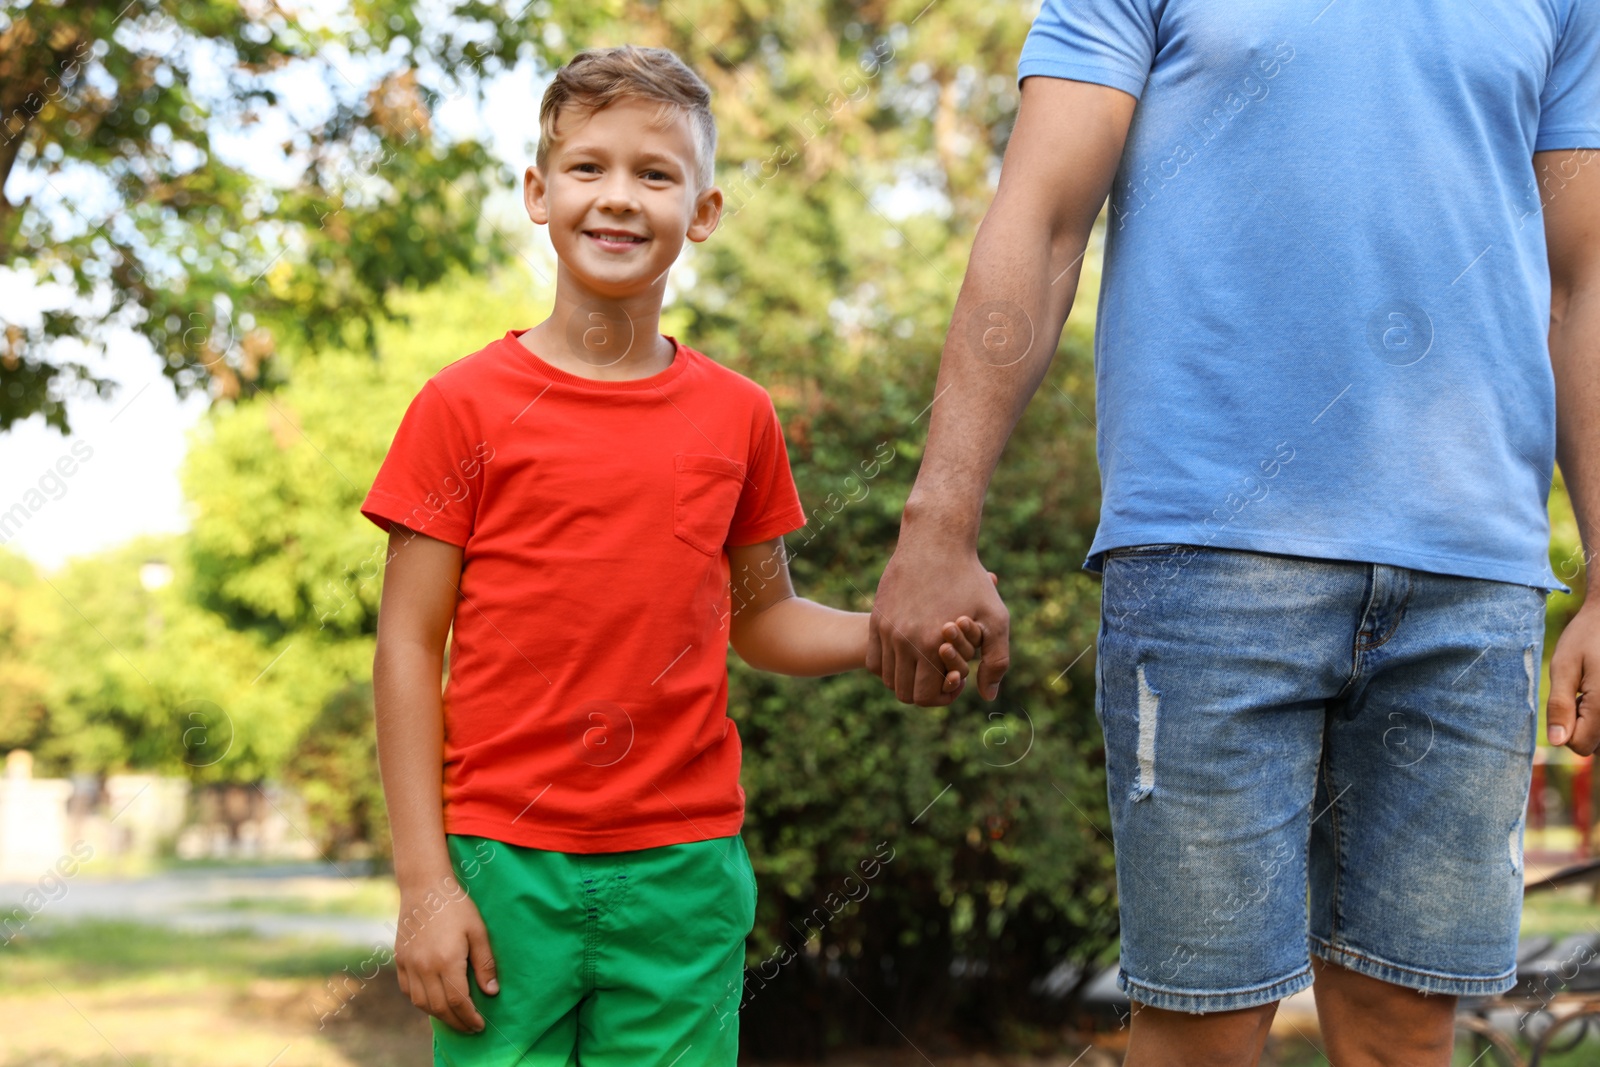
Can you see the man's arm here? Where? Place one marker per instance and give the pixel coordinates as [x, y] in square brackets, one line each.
[440, 928]
[1003, 333]
[1572, 233]
[772, 629]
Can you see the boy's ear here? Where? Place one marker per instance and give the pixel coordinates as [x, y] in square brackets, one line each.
[707, 213]
[533, 196]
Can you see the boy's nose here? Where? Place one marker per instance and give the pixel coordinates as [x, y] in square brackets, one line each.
[617, 196]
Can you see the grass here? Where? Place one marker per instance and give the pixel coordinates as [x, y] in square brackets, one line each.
[87, 993]
[121, 994]
[365, 898]
[1558, 912]
[93, 952]
[1303, 1053]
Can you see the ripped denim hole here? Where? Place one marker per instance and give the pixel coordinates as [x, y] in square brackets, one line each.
[1149, 706]
[1532, 670]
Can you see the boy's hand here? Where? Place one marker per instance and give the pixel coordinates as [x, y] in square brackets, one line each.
[962, 641]
[432, 961]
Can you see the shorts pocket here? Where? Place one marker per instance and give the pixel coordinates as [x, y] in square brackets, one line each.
[747, 886]
[705, 493]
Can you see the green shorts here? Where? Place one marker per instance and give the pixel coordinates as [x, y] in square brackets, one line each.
[608, 959]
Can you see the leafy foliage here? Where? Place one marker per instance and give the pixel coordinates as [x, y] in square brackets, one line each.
[827, 287]
[24, 684]
[859, 145]
[124, 194]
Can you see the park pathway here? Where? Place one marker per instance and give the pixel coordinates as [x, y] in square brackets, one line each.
[302, 899]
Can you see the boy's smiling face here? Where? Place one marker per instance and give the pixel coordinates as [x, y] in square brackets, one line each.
[619, 192]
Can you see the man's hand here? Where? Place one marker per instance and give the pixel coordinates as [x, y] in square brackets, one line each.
[1575, 671]
[923, 587]
[1569, 183]
[1019, 287]
[439, 936]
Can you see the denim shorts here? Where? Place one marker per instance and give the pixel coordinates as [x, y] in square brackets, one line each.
[1313, 756]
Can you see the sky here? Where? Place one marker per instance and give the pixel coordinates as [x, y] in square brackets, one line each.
[123, 456]
[136, 441]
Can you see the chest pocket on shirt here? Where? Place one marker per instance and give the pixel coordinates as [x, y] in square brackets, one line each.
[705, 493]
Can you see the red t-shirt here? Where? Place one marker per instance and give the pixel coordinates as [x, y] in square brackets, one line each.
[586, 705]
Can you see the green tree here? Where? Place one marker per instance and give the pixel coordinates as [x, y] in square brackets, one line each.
[23, 682]
[115, 195]
[279, 554]
[143, 678]
[859, 146]
[858, 151]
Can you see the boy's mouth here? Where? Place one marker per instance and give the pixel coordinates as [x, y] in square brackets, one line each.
[615, 240]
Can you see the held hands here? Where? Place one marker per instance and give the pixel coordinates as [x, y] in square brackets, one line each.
[963, 639]
[912, 646]
[439, 935]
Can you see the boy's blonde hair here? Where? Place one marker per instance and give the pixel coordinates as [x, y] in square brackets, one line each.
[601, 76]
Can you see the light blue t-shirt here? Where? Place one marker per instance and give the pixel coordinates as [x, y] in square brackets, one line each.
[1325, 306]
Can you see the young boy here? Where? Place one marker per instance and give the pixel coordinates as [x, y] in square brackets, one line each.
[570, 503]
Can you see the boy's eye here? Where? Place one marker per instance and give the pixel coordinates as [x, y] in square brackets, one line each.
[587, 168]
[657, 176]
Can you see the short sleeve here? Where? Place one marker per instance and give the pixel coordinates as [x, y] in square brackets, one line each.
[1107, 42]
[432, 478]
[769, 505]
[1569, 107]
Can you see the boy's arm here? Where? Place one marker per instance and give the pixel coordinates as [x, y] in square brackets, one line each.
[440, 927]
[772, 629]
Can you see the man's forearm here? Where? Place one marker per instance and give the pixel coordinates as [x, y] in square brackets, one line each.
[1003, 334]
[1020, 283]
[410, 734]
[1575, 359]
